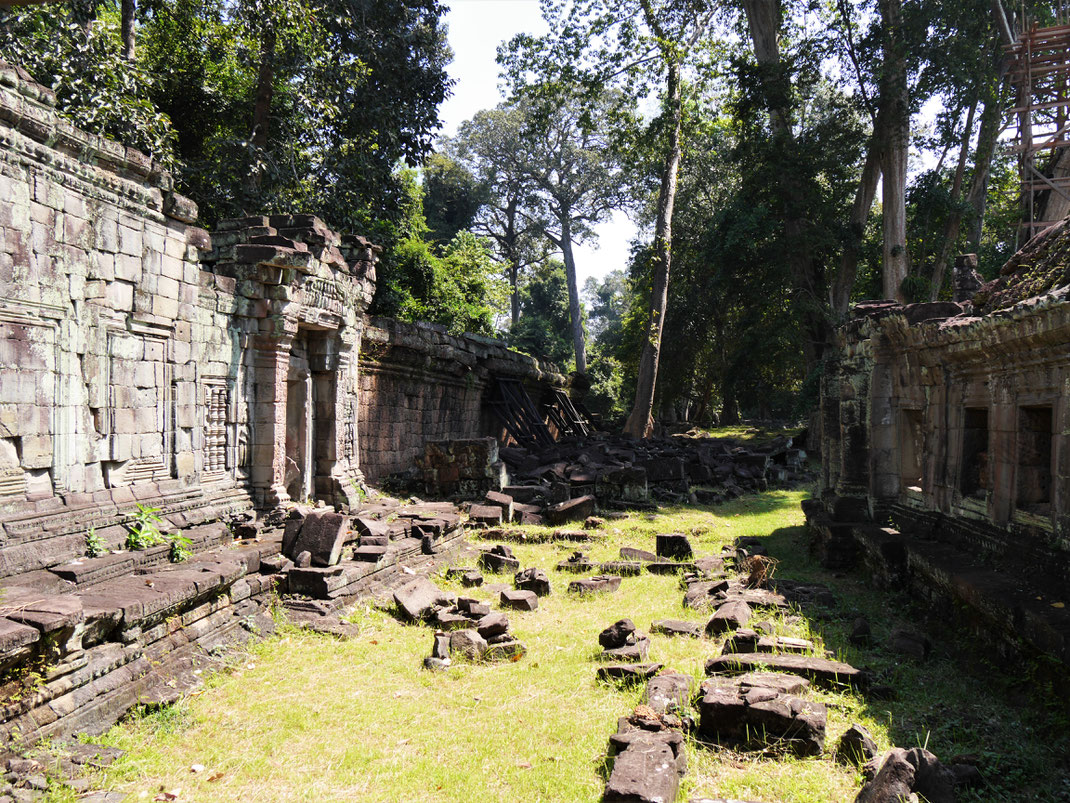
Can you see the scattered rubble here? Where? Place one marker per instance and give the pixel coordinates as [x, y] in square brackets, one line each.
[599, 584]
[534, 580]
[649, 759]
[621, 641]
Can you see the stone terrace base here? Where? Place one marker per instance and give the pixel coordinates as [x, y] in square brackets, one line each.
[84, 643]
[1009, 611]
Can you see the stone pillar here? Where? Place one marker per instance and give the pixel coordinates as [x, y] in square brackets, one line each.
[267, 473]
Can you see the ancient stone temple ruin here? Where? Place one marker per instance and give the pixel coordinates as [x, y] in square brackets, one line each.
[146, 362]
[946, 450]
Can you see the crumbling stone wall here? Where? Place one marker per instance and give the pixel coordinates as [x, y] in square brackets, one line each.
[420, 384]
[946, 456]
[144, 362]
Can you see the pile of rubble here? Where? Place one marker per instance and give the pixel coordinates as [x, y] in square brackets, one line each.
[466, 629]
[566, 482]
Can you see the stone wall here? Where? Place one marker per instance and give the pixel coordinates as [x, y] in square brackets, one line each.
[946, 458]
[420, 384]
[144, 362]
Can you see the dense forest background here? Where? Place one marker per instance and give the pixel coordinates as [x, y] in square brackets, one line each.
[784, 159]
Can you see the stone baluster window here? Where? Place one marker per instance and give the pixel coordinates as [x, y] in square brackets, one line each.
[215, 429]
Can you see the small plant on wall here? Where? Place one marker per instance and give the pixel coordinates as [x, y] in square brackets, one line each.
[144, 530]
[94, 544]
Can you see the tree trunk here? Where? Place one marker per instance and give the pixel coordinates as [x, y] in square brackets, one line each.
[987, 137]
[640, 424]
[895, 99]
[575, 314]
[954, 222]
[513, 257]
[265, 79]
[856, 223]
[127, 26]
[729, 408]
[763, 18]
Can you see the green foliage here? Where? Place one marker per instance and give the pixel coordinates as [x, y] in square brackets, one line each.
[144, 531]
[452, 197]
[181, 547]
[95, 86]
[94, 544]
[543, 328]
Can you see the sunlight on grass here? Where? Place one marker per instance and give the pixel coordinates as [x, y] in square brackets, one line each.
[303, 717]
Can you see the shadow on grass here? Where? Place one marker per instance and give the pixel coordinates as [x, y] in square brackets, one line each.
[963, 702]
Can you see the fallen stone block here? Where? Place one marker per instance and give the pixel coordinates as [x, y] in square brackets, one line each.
[533, 579]
[599, 584]
[519, 600]
[493, 624]
[729, 616]
[628, 673]
[468, 645]
[762, 717]
[485, 514]
[618, 634]
[498, 559]
[704, 594]
[669, 567]
[632, 554]
[322, 535]
[622, 567]
[417, 597]
[819, 670]
[673, 546]
[594, 523]
[856, 746]
[577, 562]
[576, 509]
[510, 650]
[502, 501]
[669, 692]
[903, 774]
[676, 627]
[316, 581]
[636, 651]
[744, 640]
[648, 760]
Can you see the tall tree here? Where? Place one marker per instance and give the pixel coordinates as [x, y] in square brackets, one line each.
[491, 145]
[640, 47]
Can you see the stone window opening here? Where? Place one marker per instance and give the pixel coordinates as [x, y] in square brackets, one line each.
[1034, 459]
[976, 470]
[911, 449]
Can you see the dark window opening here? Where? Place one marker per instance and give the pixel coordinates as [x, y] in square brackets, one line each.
[911, 448]
[1034, 460]
[976, 472]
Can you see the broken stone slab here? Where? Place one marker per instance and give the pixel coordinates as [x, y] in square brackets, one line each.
[599, 584]
[506, 650]
[467, 645]
[856, 746]
[673, 546]
[904, 774]
[370, 530]
[760, 717]
[636, 651]
[533, 579]
[729, 616]
[576, 509]
[317, 582]
[576, 562]
[622, 567]
[628, 673]
[669, 692]
[469, 577]
[436, 664]
[370, 554]
[322, 535]
[908, 642]
[498, 559]
[493, 624]
[417, 597]
[709, 565]
[648, 760]
[704, 594]
[676, 627]
[633, 554]
[328, 626]
[669, 567]
[618, 634]
[502, 501]
[744, 640]
[788, 684]
[594, 523]
[821, 671]
[472, 607]
[485, 514]
[447, 620]
[519, 600]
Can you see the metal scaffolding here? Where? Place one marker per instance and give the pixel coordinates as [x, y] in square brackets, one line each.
[1040, 69]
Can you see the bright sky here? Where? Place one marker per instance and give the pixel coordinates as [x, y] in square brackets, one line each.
[477, 27]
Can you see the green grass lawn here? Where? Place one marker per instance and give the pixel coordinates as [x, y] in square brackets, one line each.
[303, 717]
